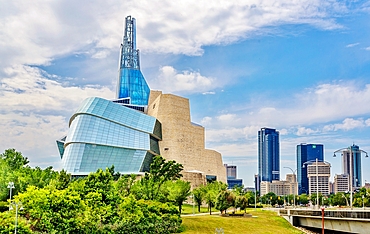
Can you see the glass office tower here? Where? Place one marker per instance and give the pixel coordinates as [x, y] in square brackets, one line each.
[356, 164]
[268, 154]
[307, 153]
[103, 133]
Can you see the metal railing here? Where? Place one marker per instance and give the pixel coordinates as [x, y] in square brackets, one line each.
[354, 214]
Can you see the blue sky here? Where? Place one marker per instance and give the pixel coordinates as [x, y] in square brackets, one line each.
[302, 67]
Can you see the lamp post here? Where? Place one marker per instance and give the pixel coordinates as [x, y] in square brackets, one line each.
[16, 205]
[10, 187]
[255, 199]
[350, 169]
[363, 202]
[295, 185]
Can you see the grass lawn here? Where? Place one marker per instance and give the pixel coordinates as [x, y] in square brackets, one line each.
[188, 209]
[266, 222]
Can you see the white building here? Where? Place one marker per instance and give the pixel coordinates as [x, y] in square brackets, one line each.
[280, 187]
[341, 183]
[318, 174]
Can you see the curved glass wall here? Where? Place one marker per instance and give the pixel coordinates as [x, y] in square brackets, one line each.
[103, 133]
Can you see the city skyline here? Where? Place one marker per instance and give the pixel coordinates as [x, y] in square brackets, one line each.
[302, 68]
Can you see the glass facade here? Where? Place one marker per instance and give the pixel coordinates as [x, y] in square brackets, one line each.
[131, 82]
[307, 153]
[355, 152]
[268, 154]
[103, 133]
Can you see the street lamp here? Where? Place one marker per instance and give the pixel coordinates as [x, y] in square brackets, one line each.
[350, 168]
[295, 185]
[363, 203]
[10, 186]
[16, 205]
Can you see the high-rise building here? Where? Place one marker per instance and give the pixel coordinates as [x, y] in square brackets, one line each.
[230, 171]
[268, 154]
[355, 157]
[341, 183]
[318, 174]
[232, 181]
[139, 124]
[307, 153]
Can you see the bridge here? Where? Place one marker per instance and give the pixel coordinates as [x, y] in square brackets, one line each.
[351, 221]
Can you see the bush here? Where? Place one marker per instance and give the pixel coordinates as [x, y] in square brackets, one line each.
[4, 206]
[145, 216]
[7, 224]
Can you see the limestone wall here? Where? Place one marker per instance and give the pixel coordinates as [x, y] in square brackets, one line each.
[183, 141]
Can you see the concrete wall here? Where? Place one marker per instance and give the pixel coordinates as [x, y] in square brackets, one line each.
[183, 141]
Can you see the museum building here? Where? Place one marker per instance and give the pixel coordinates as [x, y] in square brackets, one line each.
[139, 124]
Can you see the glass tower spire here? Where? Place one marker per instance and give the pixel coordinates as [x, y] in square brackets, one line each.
[132, 89]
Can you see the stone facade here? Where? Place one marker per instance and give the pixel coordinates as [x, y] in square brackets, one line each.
[182, 140]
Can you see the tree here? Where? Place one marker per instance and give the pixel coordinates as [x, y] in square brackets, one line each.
[179, 191]
[198, 196]
[101, 182]
[125, 183]
[14, 159]
[63, 179]
[241, 202]
[160, 172]
[225, 199]
[212, 190]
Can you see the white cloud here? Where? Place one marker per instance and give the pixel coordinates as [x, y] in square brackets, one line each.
[37, 32]
[347, 124]
[206, 93]
[170, 80]
[301, 131]
[367, 48]
[352, 45]
[35, 110]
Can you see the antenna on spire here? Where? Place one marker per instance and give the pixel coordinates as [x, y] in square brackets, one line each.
[129, 53]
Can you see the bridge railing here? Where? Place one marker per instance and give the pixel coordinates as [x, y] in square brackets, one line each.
[354, 214]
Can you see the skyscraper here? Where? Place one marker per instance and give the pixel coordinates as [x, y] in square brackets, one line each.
[230, 171]
[307, 153]
[268, 154]
[356, 164]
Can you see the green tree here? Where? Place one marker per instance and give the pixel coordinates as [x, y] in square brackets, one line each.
[199, 195]
[125, 184]
[14, 159]
[211, 192]
[63, 179]
[225, 199]
[179, 191]
[161, 171]
[241, 202]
